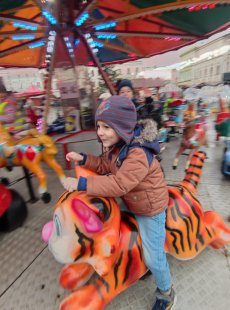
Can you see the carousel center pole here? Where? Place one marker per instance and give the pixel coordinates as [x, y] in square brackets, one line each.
[48, 90]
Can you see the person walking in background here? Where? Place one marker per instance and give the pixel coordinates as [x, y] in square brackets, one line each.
[168, 103]
[31, 115]
[125, 88]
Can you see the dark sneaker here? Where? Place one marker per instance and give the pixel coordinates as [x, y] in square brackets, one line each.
[165, 302]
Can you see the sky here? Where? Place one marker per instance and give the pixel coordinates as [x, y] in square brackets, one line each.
[171, 58]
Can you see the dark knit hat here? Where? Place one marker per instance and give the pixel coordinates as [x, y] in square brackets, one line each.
[2, 87]
[124, 83]
[120, 114]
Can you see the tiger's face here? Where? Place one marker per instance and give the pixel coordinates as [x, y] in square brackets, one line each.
[84, 228]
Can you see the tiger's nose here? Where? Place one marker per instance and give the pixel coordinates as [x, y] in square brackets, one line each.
[47, 231]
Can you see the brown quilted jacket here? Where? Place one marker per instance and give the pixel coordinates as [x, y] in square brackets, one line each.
[142, 188]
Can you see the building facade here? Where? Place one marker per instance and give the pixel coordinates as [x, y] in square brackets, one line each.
[206, 63]
[137, 69]
[18, 80]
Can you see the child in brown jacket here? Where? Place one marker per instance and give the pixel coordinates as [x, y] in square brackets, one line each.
[136, 177]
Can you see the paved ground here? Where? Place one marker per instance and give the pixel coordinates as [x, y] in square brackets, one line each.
[29, 274]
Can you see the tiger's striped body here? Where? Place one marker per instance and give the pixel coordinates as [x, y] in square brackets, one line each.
[115, 250]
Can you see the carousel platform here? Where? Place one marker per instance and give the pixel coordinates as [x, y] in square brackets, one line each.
[29, 275]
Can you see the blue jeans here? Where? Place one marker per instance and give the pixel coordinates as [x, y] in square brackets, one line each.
[153, 233]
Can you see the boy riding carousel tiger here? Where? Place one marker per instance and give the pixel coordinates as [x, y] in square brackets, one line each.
[136, 177]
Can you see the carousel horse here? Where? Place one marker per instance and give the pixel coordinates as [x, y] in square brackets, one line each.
[28, 152]
[90, 234]
[193, 137]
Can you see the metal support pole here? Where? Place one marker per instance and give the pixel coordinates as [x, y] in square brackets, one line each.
[33, 199]
[49, 85]
[97, 63]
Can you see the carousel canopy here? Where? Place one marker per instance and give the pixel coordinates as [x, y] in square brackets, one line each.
[103, 31]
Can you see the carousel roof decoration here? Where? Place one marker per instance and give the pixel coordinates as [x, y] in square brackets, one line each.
[96, 32]
[118, 31]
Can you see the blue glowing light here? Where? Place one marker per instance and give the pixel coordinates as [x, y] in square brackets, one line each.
[77, 42]
[50, 17]
[36, 44]
[96, 44]
[81, 20]
[106, 36]
[20, 25]
[109, 25]
[23, 38]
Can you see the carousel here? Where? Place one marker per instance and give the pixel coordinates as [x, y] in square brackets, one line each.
[65, 39]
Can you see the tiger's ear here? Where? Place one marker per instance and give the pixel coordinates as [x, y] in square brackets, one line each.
[82, 172]
[89, 219]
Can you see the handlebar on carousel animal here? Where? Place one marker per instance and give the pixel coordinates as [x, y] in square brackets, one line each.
[90, 234]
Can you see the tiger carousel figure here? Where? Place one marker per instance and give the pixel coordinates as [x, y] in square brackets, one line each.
[28, 152]
[90, 234]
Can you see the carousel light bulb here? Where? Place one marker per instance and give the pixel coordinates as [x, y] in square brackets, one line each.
[50, 49]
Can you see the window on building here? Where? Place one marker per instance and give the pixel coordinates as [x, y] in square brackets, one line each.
[137, 70]
[27, 75]
[92, 73]
[18, 76]
[38, 84]
[128, 71]
[217, 70]
[8, 77]
[211, 70]
[200, 73]
[205, 72]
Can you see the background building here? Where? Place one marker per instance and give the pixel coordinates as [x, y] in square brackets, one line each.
[17, 80]
[206, 63]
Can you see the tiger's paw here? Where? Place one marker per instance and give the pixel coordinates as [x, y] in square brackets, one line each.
[85, 298]
[74, 276]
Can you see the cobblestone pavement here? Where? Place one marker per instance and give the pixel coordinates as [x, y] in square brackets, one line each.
[29, 275]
